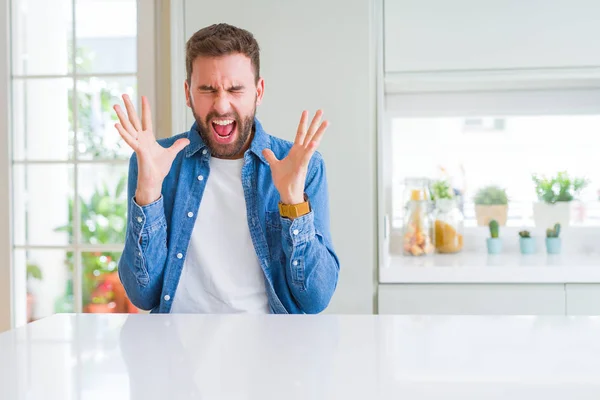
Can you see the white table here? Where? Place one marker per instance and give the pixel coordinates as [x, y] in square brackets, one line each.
[144, 357]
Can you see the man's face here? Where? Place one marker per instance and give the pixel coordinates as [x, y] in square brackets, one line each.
[223, 97]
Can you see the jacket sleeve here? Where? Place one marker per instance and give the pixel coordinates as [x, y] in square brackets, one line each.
[312, 267]
[142, 264]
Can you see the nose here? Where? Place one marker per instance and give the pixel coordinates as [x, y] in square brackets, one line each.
[221, 103]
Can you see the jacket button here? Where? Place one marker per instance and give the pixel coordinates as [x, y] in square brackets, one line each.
[139, 219]
[179, 255]
[167, 297]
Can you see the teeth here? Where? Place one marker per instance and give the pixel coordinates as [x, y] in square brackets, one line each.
[224, 122]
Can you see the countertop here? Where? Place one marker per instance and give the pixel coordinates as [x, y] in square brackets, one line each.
[483, 268]
[146, 357]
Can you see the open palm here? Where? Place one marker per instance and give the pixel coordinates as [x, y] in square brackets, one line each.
[154, 161]
[289, 173]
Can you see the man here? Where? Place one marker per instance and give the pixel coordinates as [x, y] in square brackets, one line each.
[226, 218]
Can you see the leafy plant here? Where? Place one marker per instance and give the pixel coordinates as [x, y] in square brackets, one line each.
[103, 221]
[494, 229]
[103, 294]
[553, 232]
[34, 272]
[525, 234]
[558, 188]
[441, 189]
[491, 195]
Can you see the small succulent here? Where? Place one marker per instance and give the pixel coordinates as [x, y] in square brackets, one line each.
[553, 232]
[494, 228]
[525, 234]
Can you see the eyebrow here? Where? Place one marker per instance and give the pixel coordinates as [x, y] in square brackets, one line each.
[209, 87]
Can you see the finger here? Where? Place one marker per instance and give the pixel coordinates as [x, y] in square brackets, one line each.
[301, 133]
[146, 115]
[314, 143]
[314, 125]
[316, 139]
[133, 117]
[270, 156]
[125, 121]
[178, 146]
[130, 140]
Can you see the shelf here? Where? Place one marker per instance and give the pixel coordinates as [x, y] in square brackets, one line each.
[482, 268]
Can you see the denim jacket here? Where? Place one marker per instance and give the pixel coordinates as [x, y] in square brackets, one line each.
[297, 257]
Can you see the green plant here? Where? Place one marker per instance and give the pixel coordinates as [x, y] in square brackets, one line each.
[441, 189]
[494, 229]
[558, 188]
[103, 294]
[491, 195]
[525, 234]
[103, 221]
[553, 232]
[34, 272]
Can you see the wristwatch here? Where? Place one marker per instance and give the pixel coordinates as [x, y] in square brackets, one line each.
[294, 210]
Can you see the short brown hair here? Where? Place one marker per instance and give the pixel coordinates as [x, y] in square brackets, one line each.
[220, 40]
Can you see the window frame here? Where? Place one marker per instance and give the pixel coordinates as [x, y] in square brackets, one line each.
[149, 60]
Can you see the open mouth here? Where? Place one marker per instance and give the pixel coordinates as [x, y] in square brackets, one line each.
[224, 129]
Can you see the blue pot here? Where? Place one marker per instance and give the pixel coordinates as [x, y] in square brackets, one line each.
[494, 245]
[553, 245]
[527, 245]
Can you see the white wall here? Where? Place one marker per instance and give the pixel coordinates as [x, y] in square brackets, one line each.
[317, 54]
[441, 35]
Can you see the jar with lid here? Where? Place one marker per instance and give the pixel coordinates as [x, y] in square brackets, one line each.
[449, 226]
[418, 231]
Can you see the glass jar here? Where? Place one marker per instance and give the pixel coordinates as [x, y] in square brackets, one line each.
[418, 231]
[449, 226]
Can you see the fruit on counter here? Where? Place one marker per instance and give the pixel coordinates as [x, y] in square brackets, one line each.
[447, 240]
[417, 241]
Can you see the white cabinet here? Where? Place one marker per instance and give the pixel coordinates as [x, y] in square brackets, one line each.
[583, 298]
[472, 299]
[441, 35]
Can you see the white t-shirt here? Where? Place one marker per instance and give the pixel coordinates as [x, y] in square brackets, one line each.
[221, 272]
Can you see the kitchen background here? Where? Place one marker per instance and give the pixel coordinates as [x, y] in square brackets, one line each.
[456, 104]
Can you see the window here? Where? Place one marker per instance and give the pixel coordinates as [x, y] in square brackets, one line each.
[475, 138]
[472, 153]
[71, 61]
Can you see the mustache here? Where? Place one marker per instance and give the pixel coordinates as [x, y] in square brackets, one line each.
[232, 115]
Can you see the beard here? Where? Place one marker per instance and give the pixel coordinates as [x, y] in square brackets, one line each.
[244, 128]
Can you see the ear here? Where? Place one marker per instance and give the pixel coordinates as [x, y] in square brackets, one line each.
[260, 90]
[186, 87]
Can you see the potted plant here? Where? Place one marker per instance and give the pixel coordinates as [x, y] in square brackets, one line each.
[554, 198]
[491, 202]
[526, 243]
[553, 241]
[494, 243]
[33, 272]
[102, 299]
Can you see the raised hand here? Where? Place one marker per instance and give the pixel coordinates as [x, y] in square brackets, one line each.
[289, 174]
[154, 161]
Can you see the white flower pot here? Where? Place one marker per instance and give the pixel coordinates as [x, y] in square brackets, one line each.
[546, 215]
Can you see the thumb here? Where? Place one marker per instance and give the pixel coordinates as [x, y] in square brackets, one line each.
[179, 145]
[270, 156]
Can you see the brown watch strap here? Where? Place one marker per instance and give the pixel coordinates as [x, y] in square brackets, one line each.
[294, 210]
